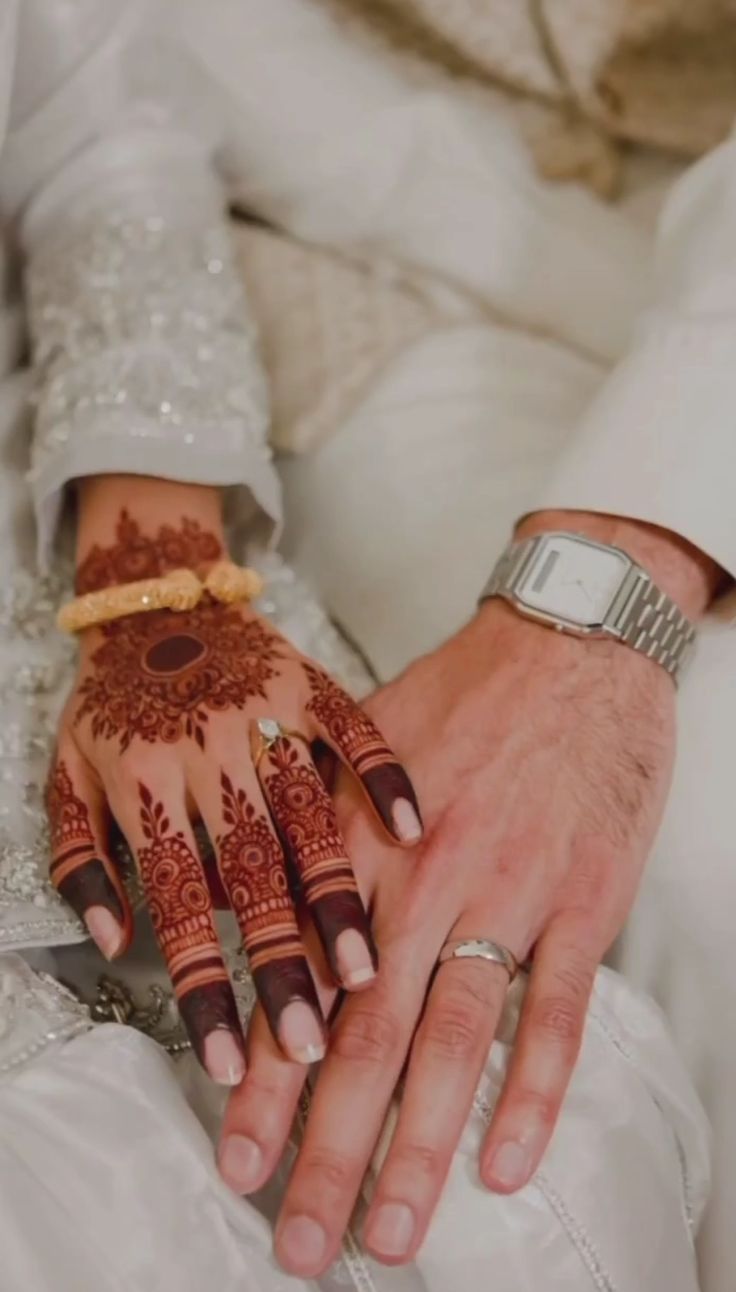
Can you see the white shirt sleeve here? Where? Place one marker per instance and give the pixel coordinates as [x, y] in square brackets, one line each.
[143, 347]
[658, 442]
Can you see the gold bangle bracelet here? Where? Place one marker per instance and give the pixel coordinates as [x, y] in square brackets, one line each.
[179, 590]
[229, 583]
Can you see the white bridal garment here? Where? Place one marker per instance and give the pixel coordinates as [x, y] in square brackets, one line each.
[435, 322]
[107, 1179]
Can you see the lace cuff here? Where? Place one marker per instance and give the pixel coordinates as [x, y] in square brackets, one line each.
[146, 359]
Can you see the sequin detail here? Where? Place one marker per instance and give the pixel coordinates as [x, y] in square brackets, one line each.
[141, 330]
[35, 1012]
[37, 669]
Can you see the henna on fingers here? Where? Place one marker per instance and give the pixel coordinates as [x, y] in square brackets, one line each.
[305, 817]
[181, 913]
[160, 676]
[169, 678]
[253, 872]
[349, 730]
[87, 882]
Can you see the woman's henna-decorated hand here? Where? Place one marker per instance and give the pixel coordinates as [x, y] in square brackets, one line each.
[161, 729]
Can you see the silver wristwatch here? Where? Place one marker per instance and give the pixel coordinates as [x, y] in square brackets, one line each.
[577, 586]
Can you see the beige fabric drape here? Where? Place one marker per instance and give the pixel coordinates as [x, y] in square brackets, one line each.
[600, 72]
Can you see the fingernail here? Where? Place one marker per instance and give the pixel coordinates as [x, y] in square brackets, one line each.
[302, 1244]
[406, 822]
[241, 1163]
[105, 930]
[391, 1229]
[301, 1034]
[353, 959]
[510, 1165]
[223, 1059]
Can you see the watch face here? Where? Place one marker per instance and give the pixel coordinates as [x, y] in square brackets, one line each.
[571, 579]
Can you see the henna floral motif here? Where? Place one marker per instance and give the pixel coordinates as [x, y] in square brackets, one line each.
[137, 556]
[356, 736]
[76, 870]
[349, 729]
[254, 876]
[305, 816]
[72, 841]
[178, 902]
[159, 676]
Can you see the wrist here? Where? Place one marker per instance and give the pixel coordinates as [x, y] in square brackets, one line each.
[131, 527]
[685, 573]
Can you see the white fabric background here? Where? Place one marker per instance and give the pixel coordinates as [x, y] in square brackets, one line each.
[448, 446]
[464, 432]
[107, 1180]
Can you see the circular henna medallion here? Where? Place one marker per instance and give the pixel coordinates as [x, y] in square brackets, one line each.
[158, 676]
[174, 654]
[253, 856]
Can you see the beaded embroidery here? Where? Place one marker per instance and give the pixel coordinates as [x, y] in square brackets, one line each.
[141, 329]
[35, 1012]
[37, 669]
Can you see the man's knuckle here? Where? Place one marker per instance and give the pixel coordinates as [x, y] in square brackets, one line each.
[573, 975]
[559, 1018]
[450, 1033]
[475, 983]
[537, 1104]
[453, 1025]
[421, 1159]
[327, 1167]
[366, 1036]
[266, 1090]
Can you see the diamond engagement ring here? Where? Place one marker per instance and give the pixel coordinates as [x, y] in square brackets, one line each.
[270, 731]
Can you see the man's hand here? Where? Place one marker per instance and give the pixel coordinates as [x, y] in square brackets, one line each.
[542, 764]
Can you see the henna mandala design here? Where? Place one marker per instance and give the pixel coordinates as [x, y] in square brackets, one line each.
[76, 870]
[158, 676]
[306, 817]
[178, 902]
[254, 876]
[136, 556]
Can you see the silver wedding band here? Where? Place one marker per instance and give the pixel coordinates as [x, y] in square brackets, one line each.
[480, 949]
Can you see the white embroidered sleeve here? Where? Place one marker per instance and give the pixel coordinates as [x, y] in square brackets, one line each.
[143, 346]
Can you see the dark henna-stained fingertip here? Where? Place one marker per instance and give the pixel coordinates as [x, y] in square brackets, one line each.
[358, 740]
[393, 797]
[210, 1017]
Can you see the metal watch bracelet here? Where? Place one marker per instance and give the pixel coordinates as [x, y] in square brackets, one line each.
[641, 615]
